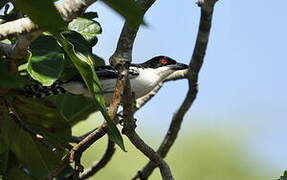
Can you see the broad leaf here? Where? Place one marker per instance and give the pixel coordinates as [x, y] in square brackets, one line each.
[129, 9]
[85, 66]
[74, 107]
[43, 13]
[89, 29]
[44, 117]
[7, 80]
[30, 153]
[79, 42]
[18, 174]
[4, 156]
[46, 63]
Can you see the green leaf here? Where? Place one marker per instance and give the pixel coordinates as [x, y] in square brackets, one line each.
[43, 119]
[47, 61]
[74, 107]
[85, 66]
[79, 42]
[4, 156]
[98, 61]
[129, 9]
[43, 13]
[18, 174]
[89, 29]
[90, 15]
[7, 80]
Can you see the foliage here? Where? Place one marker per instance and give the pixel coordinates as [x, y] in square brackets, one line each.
[64, 50]
[284, 177]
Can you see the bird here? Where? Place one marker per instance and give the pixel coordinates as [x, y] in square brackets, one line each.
[144, 77]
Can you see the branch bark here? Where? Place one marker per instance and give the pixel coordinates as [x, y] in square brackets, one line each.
[129, 131]
[195, 64]
[69, 9]
[28, 31]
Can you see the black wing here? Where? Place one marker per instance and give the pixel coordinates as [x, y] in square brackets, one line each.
[106, 72]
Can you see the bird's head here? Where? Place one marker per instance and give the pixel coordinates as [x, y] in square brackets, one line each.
[164, 62]
[163, 65]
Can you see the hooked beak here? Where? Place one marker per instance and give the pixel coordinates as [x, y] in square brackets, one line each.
[179, 66]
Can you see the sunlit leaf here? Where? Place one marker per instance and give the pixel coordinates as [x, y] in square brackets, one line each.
[89, 29]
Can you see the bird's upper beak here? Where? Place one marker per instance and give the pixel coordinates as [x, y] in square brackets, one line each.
[179, 66]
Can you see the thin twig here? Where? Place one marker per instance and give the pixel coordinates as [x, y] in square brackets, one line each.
[102, 163]
[77, 139]
[195, 66]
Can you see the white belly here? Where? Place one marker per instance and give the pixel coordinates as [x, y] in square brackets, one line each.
[140, 86]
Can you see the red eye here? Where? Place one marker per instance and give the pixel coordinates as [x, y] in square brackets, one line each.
[163, 61]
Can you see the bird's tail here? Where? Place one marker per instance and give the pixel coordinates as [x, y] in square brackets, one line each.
[39, 91]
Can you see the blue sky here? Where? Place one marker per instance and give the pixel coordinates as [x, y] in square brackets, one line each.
[243, 83]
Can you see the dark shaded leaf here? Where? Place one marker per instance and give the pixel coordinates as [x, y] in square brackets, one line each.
[7, 80]
[4, 156]
[98, 61]
[17, 174]
[74, 107]
[66, 174]
[129, 9]
[47, 61]
[34, 156]
[90, 15]
[44, 117]
[43, 13]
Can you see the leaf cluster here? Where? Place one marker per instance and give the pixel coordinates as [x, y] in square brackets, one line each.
[63, 51]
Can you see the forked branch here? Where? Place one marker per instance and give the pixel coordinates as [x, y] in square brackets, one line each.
[195, 64]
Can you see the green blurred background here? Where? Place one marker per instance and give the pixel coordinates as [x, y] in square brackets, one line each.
[197, 154]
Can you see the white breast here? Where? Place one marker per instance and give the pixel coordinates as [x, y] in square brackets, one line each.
[144, 82]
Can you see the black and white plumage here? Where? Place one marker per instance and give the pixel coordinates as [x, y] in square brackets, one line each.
[143, 77]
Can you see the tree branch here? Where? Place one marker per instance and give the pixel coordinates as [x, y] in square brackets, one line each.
[192, 75]
[69, 9]
[102, 163]
[129, 131]
[122, 57]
